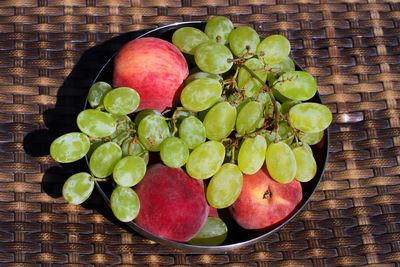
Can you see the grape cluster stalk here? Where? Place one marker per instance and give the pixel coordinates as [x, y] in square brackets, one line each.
[243, 106]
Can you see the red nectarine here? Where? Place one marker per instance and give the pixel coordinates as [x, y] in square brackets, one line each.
[153, 67]
[172, 204]
[264, 202]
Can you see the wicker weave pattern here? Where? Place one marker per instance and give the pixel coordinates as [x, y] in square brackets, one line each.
[352, 47]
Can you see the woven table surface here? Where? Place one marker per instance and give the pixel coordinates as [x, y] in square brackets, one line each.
[351, 47]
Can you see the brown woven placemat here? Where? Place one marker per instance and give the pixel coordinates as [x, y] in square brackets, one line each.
[352, 47]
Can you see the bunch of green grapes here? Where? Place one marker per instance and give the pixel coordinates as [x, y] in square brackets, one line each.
[108, 139]
[252, 104]
[244, 105]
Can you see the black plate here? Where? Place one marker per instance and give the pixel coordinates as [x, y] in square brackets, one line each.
[237, 236]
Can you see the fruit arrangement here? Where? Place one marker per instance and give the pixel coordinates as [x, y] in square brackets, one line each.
[232, 134]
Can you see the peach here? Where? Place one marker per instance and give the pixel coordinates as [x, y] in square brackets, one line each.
[264, 202]
[172, 204]
[153, 67]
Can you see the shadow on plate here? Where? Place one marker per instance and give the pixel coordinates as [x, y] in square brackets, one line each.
[61, 119]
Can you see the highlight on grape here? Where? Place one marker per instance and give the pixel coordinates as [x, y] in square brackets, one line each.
[243, 107]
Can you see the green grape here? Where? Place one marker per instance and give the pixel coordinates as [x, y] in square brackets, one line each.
[304, 145]
[225, 186]
[104, 158]
[124, 124]
[269, 137]
[202, 114]
[285, 132]
[70, 147]
[218, 29]
[310, 117]
[213, 57]
[296, 85]
[260, 123]
[287, 105]
[273, 49]
[264, 99]
[129, 171]
[139, 117]
[192, 131]
[121, 101]
[96, 123]
[174, 152]
[287, 64]
[275, 70]
[200, 74]
[132, 147]
[125, 203]
[269, 109]
[241, 38]
[123, 121]
[242, 103]
[205, 160]
[120, 136]
[97, 92]
[153, 129]
[201, 94]
[78, 188]
[233, 96]
[248, 117]
[128, 145]
[181, 114]
[311, 138]
[306, 167]
[95, 143]
[213, 233]
[308, 148]
[252, 154]
[278, 95]
[219, 121]
[280, 161]
[245, 81]
[188, 38]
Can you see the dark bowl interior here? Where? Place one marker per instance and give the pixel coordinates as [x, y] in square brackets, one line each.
[237, 236]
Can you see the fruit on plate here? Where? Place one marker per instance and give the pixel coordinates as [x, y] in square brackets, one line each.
[173, 205]
[243, 128]
[153, 67]
[264, 202]
[213, 233]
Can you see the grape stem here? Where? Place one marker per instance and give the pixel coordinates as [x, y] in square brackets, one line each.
[92, 178]
[131, 124]
[106, 139]
[142, 154]
[236, 73]
[232, 146]
[248, 53]
[125, 135]
[295, 131]
[100, 107]
[277, 113]
[174, 120]
[245, 85]
[233, 154]
[174, 126]
[131, 144]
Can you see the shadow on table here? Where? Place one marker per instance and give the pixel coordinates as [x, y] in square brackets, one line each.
[61, 119]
